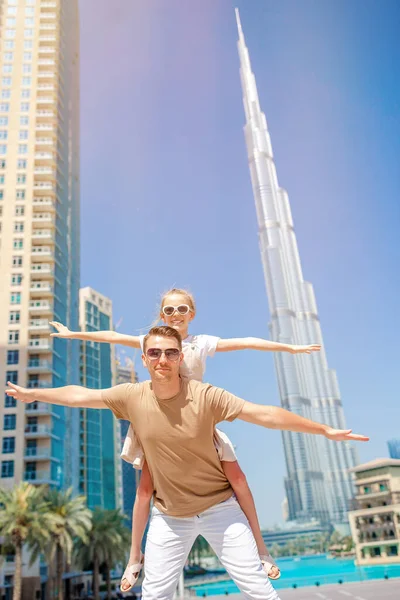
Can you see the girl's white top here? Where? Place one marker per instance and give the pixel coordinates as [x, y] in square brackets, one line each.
[196, 349]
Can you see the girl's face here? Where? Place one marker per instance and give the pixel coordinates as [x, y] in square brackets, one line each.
[173, 311]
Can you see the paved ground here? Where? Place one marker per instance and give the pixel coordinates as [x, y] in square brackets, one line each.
[368, 590]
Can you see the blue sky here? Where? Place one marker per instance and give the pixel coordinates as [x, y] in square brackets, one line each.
[166, 196]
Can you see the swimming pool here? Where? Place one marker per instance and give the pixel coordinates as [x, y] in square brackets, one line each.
[309, 570]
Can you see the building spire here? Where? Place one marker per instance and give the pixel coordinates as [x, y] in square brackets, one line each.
[239, 25]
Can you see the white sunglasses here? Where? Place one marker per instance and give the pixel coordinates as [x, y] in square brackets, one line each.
[169, 310]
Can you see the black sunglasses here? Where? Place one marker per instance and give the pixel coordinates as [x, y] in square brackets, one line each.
[170, 353]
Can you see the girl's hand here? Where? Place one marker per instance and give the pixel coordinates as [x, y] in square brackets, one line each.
[62, 330]
[305, 349]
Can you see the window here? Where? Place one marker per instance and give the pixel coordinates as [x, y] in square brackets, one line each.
[23, 135]
[9, 45]
[29, 21]
[2, 179]
[3, 121]
[23, 121]
[12, 357]
[9, 422]
[8, 445]
[6, 94]
[3, 149]
[24, 106]
[15, 298]
[7, 69]
[11, 21]
[26, 68]
[28, 33]
[26, 81]
[18, 244]
[6, 81]
[17, 261]
[20, 194]
[1, 194]
[10, 34]
[19, 211]
[16, 279]
[12, 10]
[27, 56]
[25, 94]
[29, 11]
[9, 402]
[28, 45]
[14, 317]
[7, 468]
[3, 134]
[3, 164]
[21, 178]
[8, 56]
[11, 376]
[4, 107]
[22, 149]
[13, 336]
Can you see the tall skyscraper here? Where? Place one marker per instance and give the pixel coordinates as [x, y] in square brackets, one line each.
[39, 234]
[100, 476]
[130, 476]
[318, 483]
[394, 448]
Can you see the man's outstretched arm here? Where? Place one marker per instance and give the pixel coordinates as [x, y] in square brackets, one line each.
[74, 396]
[275, 417]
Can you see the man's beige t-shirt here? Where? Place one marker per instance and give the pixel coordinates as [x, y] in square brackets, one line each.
[177, 439]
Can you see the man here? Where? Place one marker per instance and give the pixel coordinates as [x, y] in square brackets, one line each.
[174, 420]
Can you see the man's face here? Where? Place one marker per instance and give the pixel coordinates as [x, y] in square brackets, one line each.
[162, 368]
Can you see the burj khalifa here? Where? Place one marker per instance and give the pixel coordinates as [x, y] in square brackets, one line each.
[318, 483]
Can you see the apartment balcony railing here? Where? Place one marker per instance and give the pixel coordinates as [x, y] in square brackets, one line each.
[41, 325]
[37, 453]
[39, 366]
[40, 345]
[42, 253]
[37, 429]
[376, 502]
[44, 203]
[40, 307]
[43, 218]
[40, 477]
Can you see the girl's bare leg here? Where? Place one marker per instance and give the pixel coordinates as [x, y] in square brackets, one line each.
[238, 481]
[140, 516]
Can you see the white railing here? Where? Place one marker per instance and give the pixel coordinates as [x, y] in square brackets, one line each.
[39, 344]
[40, 306]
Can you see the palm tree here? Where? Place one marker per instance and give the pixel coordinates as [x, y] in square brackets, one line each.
[24, 517]
[73, 522]
[108, 544]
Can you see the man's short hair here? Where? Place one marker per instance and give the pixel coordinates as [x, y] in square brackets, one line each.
[163, 331]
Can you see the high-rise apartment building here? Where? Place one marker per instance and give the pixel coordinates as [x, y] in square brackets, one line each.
[130, 476]
[394, 448]
[100, 477]
[39, 233]
[318, 482]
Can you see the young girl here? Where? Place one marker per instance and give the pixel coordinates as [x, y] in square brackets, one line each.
[178, 310]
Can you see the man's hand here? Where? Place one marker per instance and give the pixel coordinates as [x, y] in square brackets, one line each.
[62, 330]
[341, 435]
[19, 393]
[304, 349]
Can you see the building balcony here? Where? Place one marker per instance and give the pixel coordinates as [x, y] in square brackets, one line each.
[40, 345]
[45, 15]
[377, 502]
[40, 477]
[46, 100]
[45, 115]
[36, 365]
[37, 454]
[48, 27]
[44, 142]
[47, 50]
[47, 39]
[42, 307]
[36, 431]
[39, 325]
[374, 494]
[48, 127]
[43, 289]
[43, 219]
[44, 204]
[43, 235]
[40, 409]
[40, 253]
[44, 172]
[43, 74]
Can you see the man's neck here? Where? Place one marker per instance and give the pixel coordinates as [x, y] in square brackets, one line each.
[164, 390]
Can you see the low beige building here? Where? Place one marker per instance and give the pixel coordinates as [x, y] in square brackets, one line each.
[375, 514]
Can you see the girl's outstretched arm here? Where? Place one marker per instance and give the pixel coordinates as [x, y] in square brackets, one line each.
[110, 337]
[252, 343]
